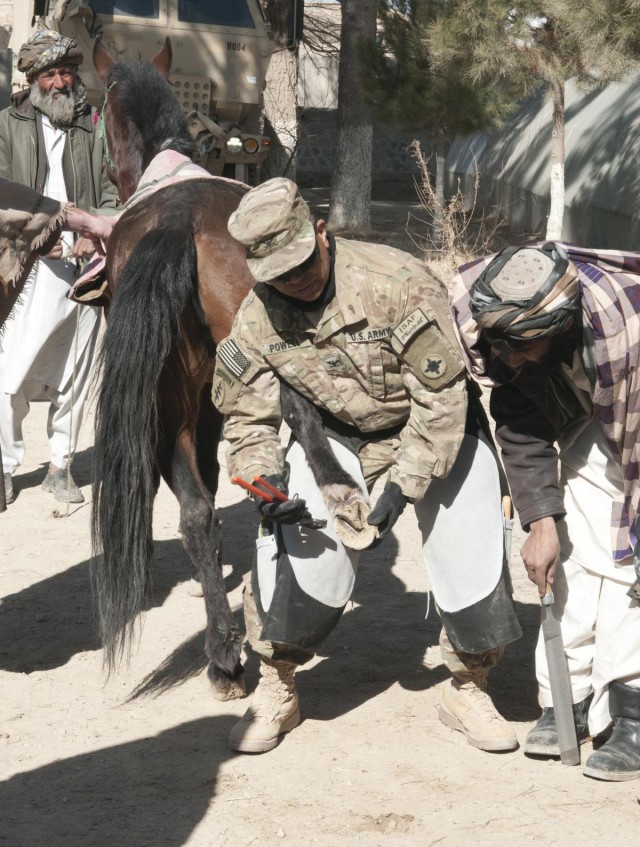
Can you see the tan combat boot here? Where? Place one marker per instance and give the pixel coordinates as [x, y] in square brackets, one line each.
[274, 709]
[467, 707]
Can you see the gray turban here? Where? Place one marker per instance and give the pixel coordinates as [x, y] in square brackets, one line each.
[45, 48]
[526, 293]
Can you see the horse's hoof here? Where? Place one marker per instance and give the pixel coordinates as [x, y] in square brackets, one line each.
[350, 513]
[225, 688]
[352, 537]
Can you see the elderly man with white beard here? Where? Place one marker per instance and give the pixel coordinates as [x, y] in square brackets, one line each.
[48, 142]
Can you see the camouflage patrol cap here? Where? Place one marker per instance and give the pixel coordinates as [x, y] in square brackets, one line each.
[275, 225]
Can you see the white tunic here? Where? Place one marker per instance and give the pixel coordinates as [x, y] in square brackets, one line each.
[37, 343]
[600, 623]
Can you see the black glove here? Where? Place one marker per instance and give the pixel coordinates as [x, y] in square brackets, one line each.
[280, 511]
[390, 506]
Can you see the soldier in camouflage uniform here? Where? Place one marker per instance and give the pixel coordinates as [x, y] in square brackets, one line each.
[363, 332]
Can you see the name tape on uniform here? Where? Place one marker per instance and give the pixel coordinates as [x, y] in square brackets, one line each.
[280, 346]
[369, 335]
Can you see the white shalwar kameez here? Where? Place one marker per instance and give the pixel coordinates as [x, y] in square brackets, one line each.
[46, 339]
[600, 623]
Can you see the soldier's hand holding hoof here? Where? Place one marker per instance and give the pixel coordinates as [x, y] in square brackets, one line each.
[391, 504]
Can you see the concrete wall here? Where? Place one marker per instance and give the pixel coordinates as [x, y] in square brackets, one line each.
[393, 166]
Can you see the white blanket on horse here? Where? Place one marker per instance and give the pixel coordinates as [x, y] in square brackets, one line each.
[167, 168]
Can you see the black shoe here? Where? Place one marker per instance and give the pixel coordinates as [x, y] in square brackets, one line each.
[619, 758]
[542, 740]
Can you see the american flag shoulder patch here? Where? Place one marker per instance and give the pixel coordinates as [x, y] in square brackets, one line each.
[233, 358]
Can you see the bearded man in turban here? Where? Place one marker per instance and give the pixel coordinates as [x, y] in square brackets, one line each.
[48, 142]
[556, 332]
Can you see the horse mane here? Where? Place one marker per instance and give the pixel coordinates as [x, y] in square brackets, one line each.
[151, 107]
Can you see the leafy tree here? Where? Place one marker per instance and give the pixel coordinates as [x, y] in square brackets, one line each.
[406, 89]
[528, 45]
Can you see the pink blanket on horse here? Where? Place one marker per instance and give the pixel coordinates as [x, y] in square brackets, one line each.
[167, 168]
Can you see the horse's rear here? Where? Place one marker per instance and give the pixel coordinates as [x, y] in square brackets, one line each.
[178, 279]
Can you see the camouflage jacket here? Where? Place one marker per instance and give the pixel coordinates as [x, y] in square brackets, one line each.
[381, 354]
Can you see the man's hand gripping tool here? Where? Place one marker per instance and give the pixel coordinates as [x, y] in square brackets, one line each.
[268, 492]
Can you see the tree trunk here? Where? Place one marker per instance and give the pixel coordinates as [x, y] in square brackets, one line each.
[350, 201]
[556, 206]
[280, 96]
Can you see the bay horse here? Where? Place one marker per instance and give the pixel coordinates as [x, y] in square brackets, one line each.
[176, 278]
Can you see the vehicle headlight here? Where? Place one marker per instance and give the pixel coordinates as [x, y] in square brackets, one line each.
[233, 145]
[251, 145]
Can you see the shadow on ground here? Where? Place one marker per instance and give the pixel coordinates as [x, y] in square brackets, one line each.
[152, 791]
[46, 624]
[380, 640]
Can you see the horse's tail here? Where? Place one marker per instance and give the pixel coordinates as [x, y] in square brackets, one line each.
[157, 284]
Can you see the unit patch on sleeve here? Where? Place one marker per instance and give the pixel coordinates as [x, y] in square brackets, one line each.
[233, 358]
[434, 366]
[432, 359]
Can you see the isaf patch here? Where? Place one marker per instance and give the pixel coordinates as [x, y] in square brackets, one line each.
[233, 358]
[416, 321]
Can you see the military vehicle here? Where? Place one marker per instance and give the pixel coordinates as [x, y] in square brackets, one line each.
[221, 51]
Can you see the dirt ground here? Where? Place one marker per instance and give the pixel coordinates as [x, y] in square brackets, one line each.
[141, 759]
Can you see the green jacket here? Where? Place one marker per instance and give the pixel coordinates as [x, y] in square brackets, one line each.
[23, 157]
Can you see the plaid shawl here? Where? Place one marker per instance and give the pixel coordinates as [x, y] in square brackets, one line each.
[610, 292]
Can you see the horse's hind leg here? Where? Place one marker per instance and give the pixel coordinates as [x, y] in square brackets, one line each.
[200, 527]
[340, 492]
[208, 431]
